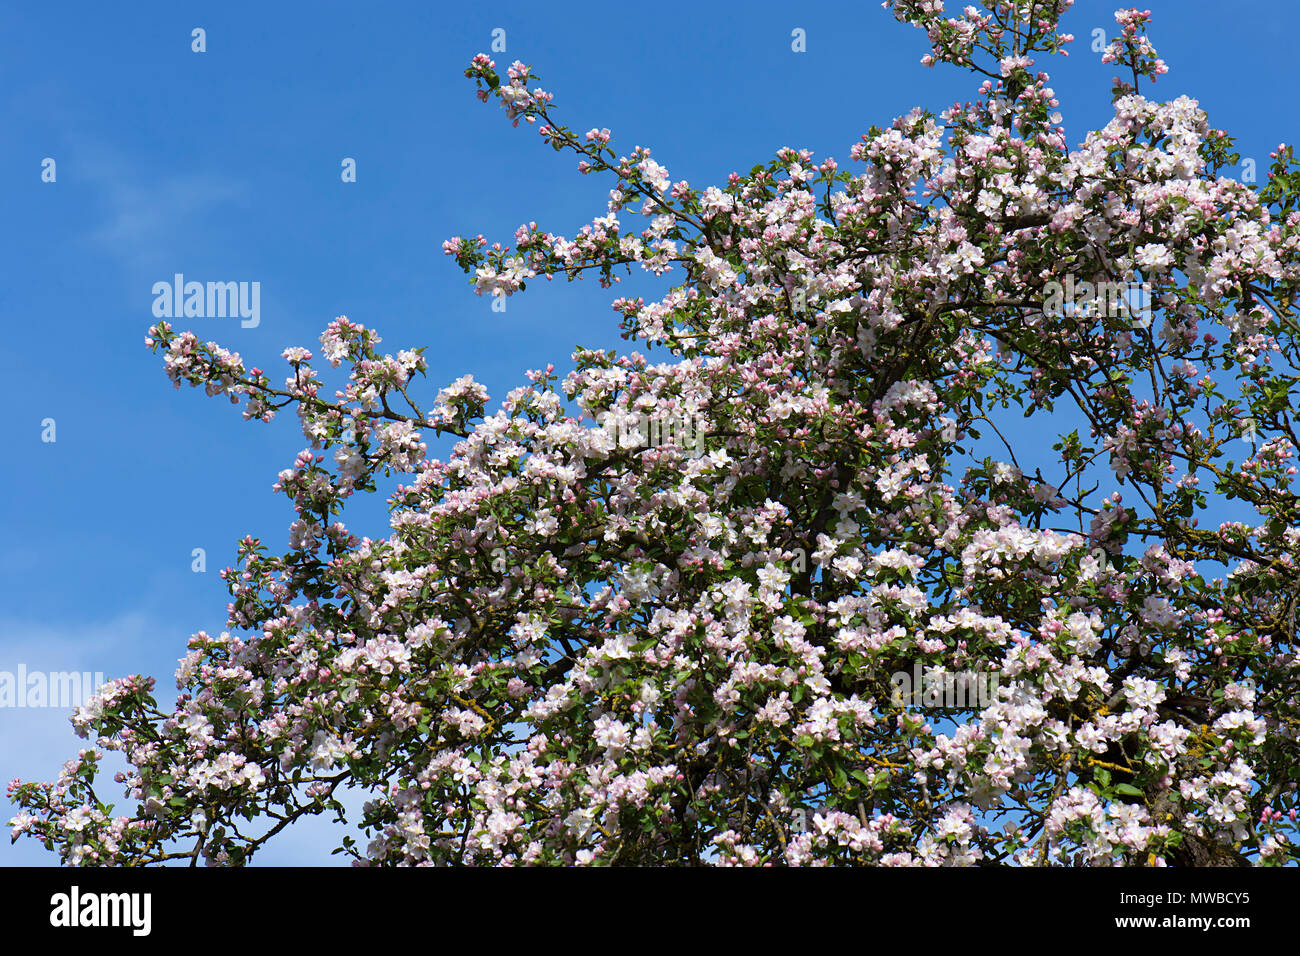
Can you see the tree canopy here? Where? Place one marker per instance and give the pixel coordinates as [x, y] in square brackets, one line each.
[591, 640]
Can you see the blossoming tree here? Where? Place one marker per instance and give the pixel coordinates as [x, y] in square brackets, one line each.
[578, 646]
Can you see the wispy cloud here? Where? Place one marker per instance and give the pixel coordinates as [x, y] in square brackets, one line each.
[149, 216]
[146, 221]
[35, 742]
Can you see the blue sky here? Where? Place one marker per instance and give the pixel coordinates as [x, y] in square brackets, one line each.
[225, 166]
